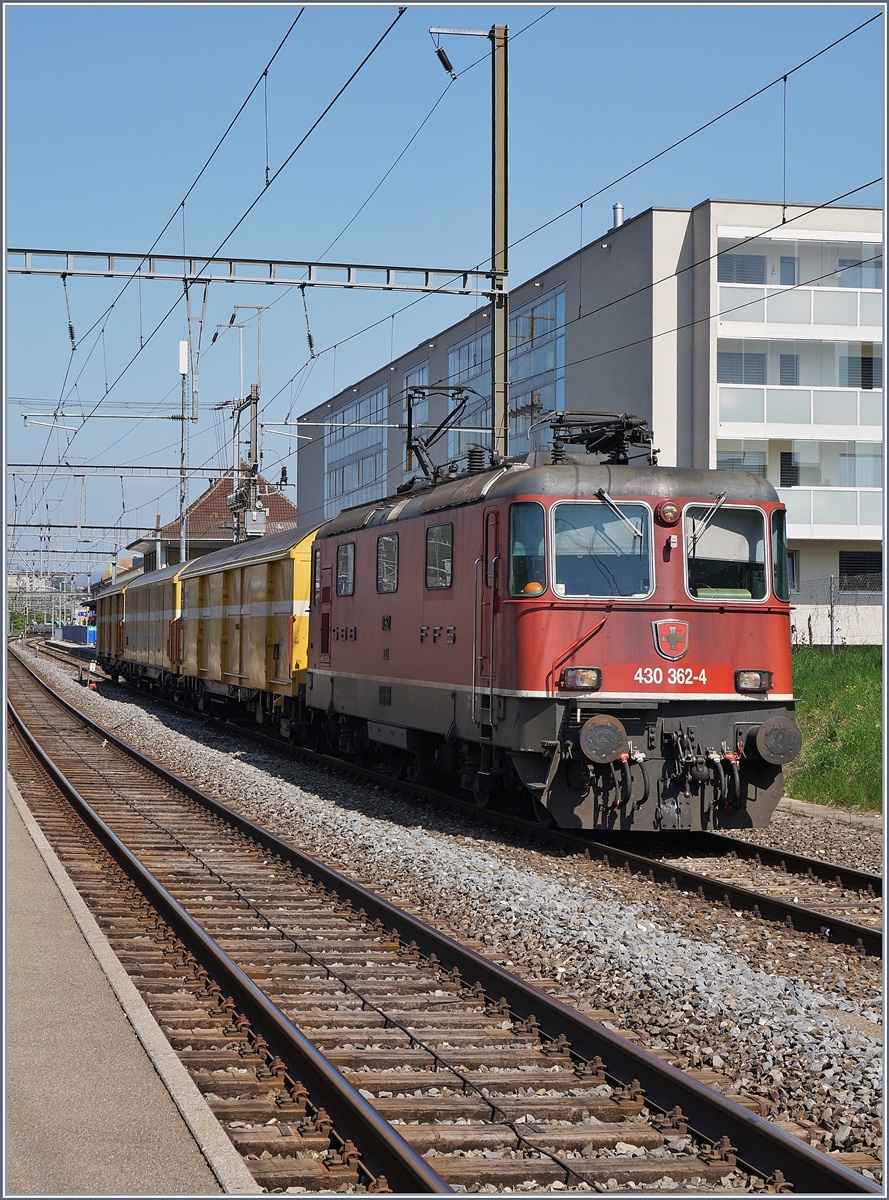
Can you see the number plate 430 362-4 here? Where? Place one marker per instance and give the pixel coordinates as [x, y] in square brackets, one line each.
[673, 676]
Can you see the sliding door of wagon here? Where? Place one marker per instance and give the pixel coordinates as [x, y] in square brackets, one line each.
[486, 605]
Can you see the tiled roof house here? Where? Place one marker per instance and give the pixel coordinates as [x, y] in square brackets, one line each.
[209, 524]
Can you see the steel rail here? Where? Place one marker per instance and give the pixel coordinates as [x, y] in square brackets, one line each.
[760, 1146]
[794, 864]
[794, 916]
[799, 917]
[383, 1150]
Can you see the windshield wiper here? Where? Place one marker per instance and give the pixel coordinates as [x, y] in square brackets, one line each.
[698, 533]
[606, 499]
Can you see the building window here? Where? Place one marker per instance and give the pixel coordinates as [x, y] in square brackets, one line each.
[418, 409]
[861, 464]
[861, 570]
[733, 366]
[789, 270]
[345, 569]
[866, 271]
[739, 458]
[469, 363]
[789, 370]
[793, 570]
[861, 371]
[387, 562]
[536, 365]
[439, 555]
[741, 268]
[789, 469]
[354, 458]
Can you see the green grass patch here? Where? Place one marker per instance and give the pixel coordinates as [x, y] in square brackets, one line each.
[840, 713]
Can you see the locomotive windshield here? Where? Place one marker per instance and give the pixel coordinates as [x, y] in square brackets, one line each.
[725, 550]
[602, 550]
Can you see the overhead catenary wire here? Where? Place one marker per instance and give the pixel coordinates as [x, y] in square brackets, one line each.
[256, 200]
[710, 316]
[524, 237]
[179, 206]
[645, 287]
[700, 129]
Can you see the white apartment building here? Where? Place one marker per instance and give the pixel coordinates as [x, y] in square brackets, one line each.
[748, 334]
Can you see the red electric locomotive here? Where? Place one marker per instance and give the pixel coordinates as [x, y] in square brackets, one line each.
[609, 640]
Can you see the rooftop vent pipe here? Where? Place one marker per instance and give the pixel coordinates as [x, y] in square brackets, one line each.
[618, 210]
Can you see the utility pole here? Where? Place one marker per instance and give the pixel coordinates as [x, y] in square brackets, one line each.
[498, 36]
[183, 371]
[499, 241]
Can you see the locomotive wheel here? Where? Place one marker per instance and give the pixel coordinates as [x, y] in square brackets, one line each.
[396, 760]
[481, 797]
[414, 769]
[542, 815]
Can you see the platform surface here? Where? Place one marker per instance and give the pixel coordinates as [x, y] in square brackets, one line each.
[90, 1079]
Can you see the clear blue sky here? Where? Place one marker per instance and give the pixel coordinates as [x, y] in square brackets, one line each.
[112, 110]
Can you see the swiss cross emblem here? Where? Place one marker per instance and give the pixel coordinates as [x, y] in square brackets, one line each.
[670, 638]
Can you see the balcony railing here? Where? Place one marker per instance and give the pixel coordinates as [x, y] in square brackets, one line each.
[822, 508]
[750, 405]
[800, 306]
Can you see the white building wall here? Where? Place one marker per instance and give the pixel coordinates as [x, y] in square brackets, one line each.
[645, 319]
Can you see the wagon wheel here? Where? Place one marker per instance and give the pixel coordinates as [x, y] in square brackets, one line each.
[311, 738]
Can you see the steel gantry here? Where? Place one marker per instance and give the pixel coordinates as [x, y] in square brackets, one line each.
[192, 269]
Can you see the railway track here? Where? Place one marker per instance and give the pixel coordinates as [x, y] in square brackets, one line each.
[343, 1042]
[830, 900]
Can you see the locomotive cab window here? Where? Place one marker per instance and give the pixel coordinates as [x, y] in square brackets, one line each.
[527, 549]
[725, 552]
[387, 562]
[345, 569]
[602, 549]
[439, 555]
[780, 557]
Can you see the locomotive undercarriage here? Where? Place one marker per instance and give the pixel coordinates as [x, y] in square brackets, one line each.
[665, 767]
[583, 762]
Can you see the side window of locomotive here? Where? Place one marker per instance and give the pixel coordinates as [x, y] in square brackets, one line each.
[527, 549]
[780, 566]
[345, 569]
[387, 562]
[725, 552]
[316, 577]
[439, 555]
[602, 551]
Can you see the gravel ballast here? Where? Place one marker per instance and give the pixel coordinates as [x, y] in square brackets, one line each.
[780, 1015]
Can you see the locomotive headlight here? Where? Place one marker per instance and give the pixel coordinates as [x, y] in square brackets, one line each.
[582, 679]
[753, 681]
[667, 512]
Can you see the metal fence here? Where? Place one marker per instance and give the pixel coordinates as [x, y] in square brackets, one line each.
[841, 610]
